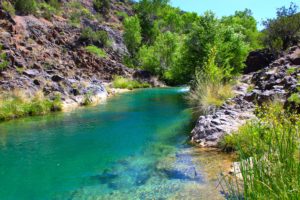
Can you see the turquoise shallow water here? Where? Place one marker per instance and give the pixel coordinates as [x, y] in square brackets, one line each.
[132, 147]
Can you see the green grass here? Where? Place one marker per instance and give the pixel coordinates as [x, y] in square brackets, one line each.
[209, 95]
[125, 83]
[269, 152]
[16, 105]
[96, 51]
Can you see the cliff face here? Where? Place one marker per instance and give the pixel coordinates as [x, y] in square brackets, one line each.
[280, 80]
[49, 55]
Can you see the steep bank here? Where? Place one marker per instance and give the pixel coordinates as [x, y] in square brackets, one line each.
[50, 55]
[277, 81]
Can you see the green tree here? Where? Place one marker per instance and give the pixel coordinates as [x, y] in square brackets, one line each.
[243, 22]
[284, 30]
[132, 34]
[160, 57]
[147, 11]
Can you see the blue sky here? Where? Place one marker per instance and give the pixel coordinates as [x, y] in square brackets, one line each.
[261, 9]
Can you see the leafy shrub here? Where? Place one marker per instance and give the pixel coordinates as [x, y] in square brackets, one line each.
[16, 105]
[26, 6]
[47, 10]
[8, 7]
[102, 6]
[96, 51]
[124, 83]
[269, 155]
[95, 36]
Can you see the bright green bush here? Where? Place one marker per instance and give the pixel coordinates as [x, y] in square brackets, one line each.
[96, 51]
[26, 6]
[8, 7]
[125, 83]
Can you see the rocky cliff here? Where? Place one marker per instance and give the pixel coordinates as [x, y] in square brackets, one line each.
[49, 56]
[280, 80]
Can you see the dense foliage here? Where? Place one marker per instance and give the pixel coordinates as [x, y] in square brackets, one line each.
[283, 31]
[175, 45]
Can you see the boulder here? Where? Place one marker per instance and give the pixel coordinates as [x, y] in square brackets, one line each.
[257, 60]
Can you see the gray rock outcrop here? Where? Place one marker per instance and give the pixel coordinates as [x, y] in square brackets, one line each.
[278, 81]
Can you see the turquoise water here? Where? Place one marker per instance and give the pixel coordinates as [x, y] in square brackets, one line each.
[132, 147]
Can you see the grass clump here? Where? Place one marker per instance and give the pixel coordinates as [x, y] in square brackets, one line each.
[15, 105]
[125, 83]
[8, 7]
[207, 95]
[269, 153]
[96, 51]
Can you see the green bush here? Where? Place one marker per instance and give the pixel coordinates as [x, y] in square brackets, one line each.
[95, 36]
[26, 6]
[102, 6]
[8, 7]
[96, 51]
[124, 83]
[269, 152]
